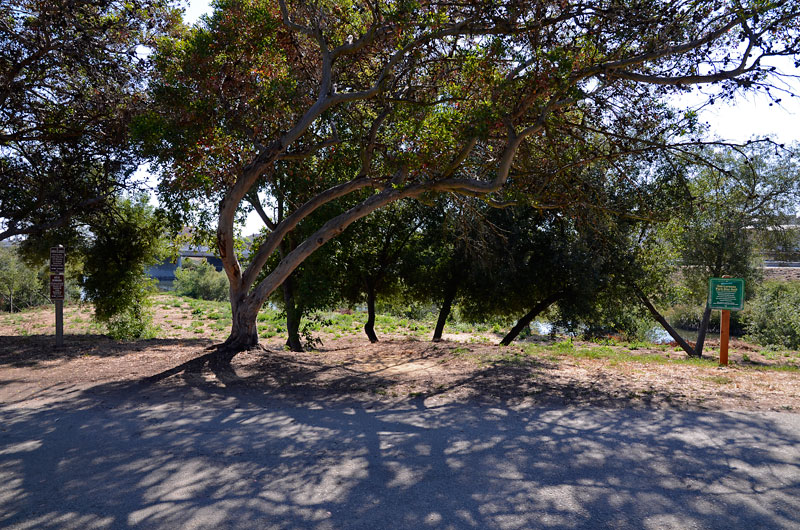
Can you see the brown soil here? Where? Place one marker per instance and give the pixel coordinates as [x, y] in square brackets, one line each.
[397, 368]
[782, 273]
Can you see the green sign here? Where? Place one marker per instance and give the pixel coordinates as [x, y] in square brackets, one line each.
[726, 293]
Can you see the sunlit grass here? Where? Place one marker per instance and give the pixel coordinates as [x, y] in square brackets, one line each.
[214, 319]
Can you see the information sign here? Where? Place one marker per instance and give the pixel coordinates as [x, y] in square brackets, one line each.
[726, 293]
[57, 259]
[56, 287]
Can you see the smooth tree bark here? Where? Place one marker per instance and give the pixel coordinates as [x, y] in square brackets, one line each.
[526, 320]
[444, 312]
[244, 315]
[369, 327]
[666, 325]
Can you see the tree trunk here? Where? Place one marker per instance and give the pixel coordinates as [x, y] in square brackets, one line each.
[528, 318]
[663, 321]
[293, 316]
[369, 327]
[444, 312]
[701, 333]
[244, 333]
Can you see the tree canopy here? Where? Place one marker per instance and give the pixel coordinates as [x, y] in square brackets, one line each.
[73, 74]
[406, 99]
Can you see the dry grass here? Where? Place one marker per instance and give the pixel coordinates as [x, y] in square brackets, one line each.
[404, 365]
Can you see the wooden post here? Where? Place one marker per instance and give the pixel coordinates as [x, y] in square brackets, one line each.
[59, 323]
[58, 259]
[724, 333]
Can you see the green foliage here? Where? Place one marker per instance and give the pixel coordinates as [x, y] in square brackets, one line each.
[134, 322]
[772, 317]
[575, 258]
[736, 200]
[21, 286]
[376, 252]
[71, 84]
[202, 281]
[125, 242]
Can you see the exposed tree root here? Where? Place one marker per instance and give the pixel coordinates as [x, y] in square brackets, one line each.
[218, 361]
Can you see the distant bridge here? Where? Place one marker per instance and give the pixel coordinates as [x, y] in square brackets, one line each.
[165, 272]
[776, 263]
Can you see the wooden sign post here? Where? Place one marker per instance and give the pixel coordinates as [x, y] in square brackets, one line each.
[726, 294]
[724, 333]
[58, 259]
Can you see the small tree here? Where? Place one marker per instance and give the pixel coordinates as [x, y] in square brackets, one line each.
[375, 252]
[735, 198]
[20, 284]
[201, 280]
[772, 318]
[124, 242]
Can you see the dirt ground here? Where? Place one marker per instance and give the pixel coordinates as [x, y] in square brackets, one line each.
[400, 367]
[782, 273]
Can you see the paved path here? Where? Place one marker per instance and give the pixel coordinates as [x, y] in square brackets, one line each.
[128, 457]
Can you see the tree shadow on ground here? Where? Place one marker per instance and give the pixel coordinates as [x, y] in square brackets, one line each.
[285, 373]
[506, 378]
[121, 455]
[32, 350]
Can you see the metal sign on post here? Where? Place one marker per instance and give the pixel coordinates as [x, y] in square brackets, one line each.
[56, 287]
[58, 259]
[727, 294]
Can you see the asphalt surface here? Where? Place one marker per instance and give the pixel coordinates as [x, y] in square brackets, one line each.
[130, 457]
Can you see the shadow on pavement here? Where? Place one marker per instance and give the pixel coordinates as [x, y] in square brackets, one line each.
[208, 456]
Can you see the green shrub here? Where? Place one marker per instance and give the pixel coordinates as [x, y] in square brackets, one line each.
[20, 284]
[201, 280]
[135, 322]
[772, 317]
[689, 317]
[124, 242]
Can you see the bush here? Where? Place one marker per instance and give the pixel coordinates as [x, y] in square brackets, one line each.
[201, 280]
[124, 241]
[690, 316]
[21, 286]
[772, 318]
[136, 322]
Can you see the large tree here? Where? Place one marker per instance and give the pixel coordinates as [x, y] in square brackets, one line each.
[71, 76]
[424, 97]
